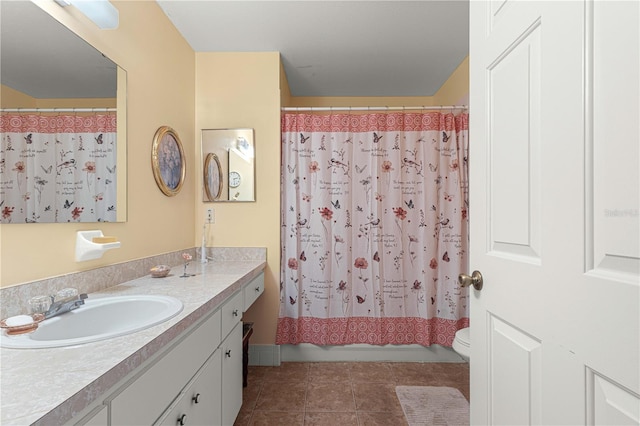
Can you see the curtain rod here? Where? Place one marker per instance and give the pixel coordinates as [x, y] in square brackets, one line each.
[377, 108]
[58, 109]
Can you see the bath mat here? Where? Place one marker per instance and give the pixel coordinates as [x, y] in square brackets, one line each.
[433, 405]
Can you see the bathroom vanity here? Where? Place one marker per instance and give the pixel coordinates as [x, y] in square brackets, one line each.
[187, 370]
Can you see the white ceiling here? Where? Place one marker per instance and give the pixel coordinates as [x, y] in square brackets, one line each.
[337, 48]
[328, 48]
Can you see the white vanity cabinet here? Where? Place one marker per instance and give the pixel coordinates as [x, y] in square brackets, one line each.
[148, 394]
[197, 382]
[188, 368]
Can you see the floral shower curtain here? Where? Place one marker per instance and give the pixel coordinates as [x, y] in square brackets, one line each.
[58, 168]
[374, 228]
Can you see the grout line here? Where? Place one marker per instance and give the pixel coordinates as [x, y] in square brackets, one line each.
[306, 395]
[353, 395]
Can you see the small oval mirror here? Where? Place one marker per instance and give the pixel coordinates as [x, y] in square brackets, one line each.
[212, 177]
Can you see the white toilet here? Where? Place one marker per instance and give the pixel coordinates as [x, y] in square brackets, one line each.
[461, 343]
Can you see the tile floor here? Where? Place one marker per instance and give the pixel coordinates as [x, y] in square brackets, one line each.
[339, 393]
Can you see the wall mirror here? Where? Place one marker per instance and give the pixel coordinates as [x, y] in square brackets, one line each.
[76, 170]
[228, 157]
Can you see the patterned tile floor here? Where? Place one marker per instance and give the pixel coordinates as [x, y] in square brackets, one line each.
[339, 393]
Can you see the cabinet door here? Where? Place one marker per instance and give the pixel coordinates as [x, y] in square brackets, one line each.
[232, 375]
[199, 403]
[206, 395]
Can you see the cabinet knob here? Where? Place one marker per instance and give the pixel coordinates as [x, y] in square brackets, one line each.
[181, 419]
[258, 289]
[196, 398]
[228, 353]
[235, 312]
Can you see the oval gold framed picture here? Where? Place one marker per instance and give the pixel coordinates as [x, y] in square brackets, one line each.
[168, 161]
[212, 177]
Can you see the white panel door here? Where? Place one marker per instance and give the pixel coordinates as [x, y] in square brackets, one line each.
[555, 224]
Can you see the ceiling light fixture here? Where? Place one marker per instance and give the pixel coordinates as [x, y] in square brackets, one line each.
[101, 12]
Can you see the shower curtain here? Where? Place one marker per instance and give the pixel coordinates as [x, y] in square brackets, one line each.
[57, 168]
[374, 228]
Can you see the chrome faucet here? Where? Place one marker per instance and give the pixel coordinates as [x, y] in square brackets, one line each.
[64, 305]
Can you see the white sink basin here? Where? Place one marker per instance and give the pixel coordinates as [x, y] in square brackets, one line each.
[98, 319]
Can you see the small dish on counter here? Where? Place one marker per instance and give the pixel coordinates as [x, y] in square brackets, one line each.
[160, 271]
[12, 330]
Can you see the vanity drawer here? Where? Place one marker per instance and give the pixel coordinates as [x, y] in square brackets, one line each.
[149, 394]
[199, 402]
[253, 290]
[231, 313]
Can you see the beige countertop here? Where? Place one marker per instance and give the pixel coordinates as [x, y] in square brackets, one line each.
[50, 386]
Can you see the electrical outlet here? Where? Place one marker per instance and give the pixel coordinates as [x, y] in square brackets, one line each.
[209, 215]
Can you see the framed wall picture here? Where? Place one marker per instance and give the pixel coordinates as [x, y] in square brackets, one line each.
[168, 161]
[212, 177]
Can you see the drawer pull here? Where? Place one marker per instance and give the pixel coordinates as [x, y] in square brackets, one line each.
[235, 313]
[258, 289]
[196, 398]
[181, 419]
[228, 353]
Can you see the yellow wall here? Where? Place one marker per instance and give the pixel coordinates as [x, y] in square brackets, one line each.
[160, 69]
[285, 93]
[455, 91]
[11, 98]
[242, 90]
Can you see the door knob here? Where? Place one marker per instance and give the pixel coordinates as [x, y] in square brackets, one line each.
[475, 279]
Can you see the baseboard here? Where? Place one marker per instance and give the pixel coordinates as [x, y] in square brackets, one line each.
[264, 355]
[274, 354]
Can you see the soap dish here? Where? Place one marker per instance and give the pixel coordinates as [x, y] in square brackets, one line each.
[22, 329]
[160, 271]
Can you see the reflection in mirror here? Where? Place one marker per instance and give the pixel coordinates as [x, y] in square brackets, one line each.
[212, 177]
[234, 158]
[63, 140]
